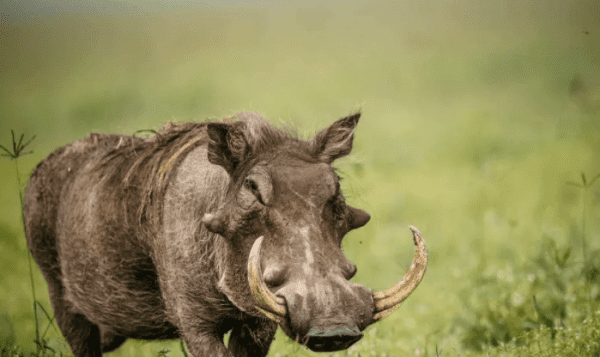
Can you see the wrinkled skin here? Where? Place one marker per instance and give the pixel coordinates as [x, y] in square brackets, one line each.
[151, 239]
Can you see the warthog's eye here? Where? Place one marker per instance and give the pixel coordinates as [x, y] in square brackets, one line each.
[252, 186]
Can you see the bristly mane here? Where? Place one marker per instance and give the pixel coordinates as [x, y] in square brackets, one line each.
[133, 166]
[141, 168]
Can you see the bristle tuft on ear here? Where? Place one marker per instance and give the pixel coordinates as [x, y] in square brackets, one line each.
[335, 141]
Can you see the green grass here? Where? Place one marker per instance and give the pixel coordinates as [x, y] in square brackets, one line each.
[475, 117]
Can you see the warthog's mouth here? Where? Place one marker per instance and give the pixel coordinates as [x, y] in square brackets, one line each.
[332, 340]
[385, 302]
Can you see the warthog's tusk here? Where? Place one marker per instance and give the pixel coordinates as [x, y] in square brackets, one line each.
[270, 305]
[387, 301]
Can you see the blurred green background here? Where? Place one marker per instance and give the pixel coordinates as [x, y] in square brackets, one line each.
[475, 117]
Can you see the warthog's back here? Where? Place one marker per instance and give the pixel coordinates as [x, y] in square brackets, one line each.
[86, 227]
[46, 184]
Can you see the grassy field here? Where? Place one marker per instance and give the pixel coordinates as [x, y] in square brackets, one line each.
[476, 116]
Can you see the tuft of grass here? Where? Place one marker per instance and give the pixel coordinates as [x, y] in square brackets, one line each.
[579, 338]
[559, 312]
[507, 304]
[163, 353]
[17, 151]
[584, 186]
[546, 309]
[8, 335]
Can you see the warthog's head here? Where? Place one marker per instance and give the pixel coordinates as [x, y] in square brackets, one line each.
[284, 219]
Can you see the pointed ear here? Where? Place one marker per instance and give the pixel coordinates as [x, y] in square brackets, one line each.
[335, 141]
[227, 146]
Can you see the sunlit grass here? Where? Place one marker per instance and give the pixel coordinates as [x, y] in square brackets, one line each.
[469, 132]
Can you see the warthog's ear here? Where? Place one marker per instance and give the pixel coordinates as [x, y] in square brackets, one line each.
[335, 141]
[227, 146]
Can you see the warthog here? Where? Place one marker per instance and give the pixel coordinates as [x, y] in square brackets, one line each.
[202, 229]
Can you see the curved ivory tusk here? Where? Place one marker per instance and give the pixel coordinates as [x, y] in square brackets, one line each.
[387, 301]
[272, 306]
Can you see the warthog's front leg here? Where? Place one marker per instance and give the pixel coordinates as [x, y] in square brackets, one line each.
[252, 338]
[205, 344]
[110, 342]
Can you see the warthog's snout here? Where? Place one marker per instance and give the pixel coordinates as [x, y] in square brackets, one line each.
[326, 314]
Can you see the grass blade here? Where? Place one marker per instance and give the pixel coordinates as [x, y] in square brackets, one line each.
[50, 323]
[28, 142]
[183, 348]
[20, 141]
[50, 319]
[44, 346]
[8, 153]
[12, 132]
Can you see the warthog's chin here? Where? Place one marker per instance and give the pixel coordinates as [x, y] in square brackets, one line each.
[326, 339]
[329, 340]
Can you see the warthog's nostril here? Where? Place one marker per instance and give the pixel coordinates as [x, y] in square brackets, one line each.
[335, 339]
